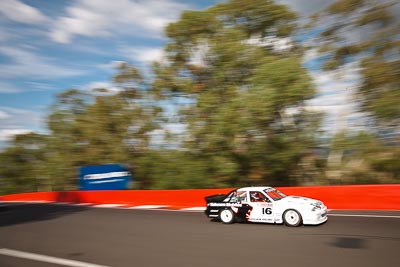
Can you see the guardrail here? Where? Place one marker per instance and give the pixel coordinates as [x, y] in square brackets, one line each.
[348, 197]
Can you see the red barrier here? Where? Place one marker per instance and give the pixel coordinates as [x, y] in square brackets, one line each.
[351, 197]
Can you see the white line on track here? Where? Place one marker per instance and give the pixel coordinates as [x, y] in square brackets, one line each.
[48, 259]
[365, 215]
[82, 204]
[194, 209]
[147, 207]
[109, 206]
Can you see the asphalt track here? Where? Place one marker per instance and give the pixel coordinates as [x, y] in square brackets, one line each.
[122, 237]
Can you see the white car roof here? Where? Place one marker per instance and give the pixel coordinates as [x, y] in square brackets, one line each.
[254, 188]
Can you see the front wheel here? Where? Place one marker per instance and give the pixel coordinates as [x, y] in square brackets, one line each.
[292, 218]
[227, 216]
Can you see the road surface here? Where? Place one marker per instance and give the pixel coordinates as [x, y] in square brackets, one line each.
[61, 235]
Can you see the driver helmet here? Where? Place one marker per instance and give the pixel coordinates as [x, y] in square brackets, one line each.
[255, 195]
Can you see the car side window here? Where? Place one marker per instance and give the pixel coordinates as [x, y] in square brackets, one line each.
[232, 197]
[256, 196]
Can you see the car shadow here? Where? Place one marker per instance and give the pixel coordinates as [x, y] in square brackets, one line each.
[17, 213]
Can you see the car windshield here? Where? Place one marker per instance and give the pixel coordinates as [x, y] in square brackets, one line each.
[274, 194]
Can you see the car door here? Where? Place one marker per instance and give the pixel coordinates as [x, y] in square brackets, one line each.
[262, 207]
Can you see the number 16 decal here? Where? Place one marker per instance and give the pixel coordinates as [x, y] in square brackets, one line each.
[267, 211]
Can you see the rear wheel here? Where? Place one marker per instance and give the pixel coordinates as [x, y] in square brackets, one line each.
[227, 216]
[292, 218]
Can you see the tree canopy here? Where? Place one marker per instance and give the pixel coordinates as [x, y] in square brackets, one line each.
[239, 126]
[368, 32]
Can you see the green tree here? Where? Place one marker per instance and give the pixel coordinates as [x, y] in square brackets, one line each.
[362, 158]
[100, 127]
[23, 166]
[366, 32]
[243, 87]
[374, 42]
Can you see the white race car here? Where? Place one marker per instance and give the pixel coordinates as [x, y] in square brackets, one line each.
[265, 205]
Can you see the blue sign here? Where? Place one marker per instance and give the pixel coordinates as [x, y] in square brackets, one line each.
[104, 177]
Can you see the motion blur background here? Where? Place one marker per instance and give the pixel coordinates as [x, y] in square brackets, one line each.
[199, 94]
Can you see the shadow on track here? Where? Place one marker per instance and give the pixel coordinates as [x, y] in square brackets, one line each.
[17, 213]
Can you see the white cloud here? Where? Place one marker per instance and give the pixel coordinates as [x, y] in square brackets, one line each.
[336, 95]
[4, 115]
[101, 85]
[103, 18]
[6, 34]
[40, 86]
[110, 66]
[26, 63]
[311, 54]
[277, 43]
[306, 8]
[199, 54]
[15, 121]
[10, 88]
[16, 116]
[345, 78]
[332, 99]
[143, 54]
[6, 87]
[20, 12]
[8, 134]
[176, 128]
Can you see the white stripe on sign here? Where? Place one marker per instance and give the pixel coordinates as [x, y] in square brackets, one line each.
[365, 215]
[48, 259]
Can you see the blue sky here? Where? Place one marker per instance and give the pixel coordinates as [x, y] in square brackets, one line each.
[50, 46]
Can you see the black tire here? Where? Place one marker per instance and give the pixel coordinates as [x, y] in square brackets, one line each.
[292, 218]
[226, 216]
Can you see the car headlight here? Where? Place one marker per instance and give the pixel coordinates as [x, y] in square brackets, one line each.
[316, 206]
